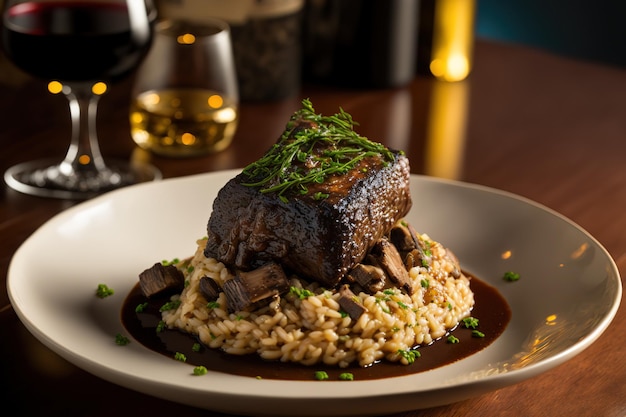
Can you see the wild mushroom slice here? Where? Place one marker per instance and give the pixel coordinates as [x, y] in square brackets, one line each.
[250, 287]
[160, 279]
[209, 288]
[388, 257]
[348, 302]
[415, 258]
[402, 238]
[370, 277]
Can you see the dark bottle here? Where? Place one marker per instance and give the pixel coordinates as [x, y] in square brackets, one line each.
[360, 43]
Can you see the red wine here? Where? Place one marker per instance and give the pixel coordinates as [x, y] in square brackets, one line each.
[74, 41]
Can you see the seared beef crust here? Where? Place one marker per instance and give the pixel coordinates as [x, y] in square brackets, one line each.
[316, 239]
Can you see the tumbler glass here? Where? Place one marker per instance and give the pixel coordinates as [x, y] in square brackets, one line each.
[185, 98]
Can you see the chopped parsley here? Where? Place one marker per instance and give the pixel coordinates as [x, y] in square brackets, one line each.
[174, 261]
[213, 304]
[196, 347]
[453, 339]
[301, 293]
[427, 251]
[170, 305]
[121, 340]
[384, 308]
[104, 291]
[346, 376]
[321, 375]
[160, 326]
[200, 370]
[141, 307]
[180, 357]
[381, 299]
[470, 322]
[511, 276]
[410, 355]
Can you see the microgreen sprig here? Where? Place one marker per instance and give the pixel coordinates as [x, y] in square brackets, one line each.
[312, 148]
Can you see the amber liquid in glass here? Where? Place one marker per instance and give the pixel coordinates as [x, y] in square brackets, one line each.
[183, 122]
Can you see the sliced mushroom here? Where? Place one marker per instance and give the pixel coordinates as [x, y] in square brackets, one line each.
[348, 302]
[410, 245]
[209, 288]
[402, 238]
[389, 259]
[161, 279]
[369, 277]
[248, 288]
[415, 258]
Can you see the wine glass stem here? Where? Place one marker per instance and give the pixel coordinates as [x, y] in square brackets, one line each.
[83, 154]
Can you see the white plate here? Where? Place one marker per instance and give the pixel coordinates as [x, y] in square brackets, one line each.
[568, 294]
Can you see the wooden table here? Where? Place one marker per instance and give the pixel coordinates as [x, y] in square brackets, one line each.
[544, 127]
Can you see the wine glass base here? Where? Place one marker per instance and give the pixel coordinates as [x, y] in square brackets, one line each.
[43, 178]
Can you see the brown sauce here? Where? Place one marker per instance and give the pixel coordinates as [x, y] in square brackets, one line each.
[490, 309]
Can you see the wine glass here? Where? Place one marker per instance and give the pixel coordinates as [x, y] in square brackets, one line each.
[81, 47]
[185, 97]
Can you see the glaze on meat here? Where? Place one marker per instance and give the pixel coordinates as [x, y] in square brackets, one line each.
[320, 239]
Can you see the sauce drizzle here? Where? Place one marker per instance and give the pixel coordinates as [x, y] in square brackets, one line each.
[490, 308]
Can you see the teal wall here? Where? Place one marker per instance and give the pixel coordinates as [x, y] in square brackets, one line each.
[586, 29]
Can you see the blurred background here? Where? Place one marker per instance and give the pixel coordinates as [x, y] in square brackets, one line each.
[279, 43]
[590, 30]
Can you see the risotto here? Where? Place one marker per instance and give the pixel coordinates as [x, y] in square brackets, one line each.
[307, 324]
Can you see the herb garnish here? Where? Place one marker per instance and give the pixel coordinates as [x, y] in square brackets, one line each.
[170, 305]
[161, 326]
[477, 333]
[409, 354]
[104, 291]
[305, 156]
[301, 293]
[200, 370]
[121, 340]
[321, 375]
[470, 322]
[166, 262]
[511, 276]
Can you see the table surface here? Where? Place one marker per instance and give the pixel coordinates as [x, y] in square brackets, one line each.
[545, 127]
